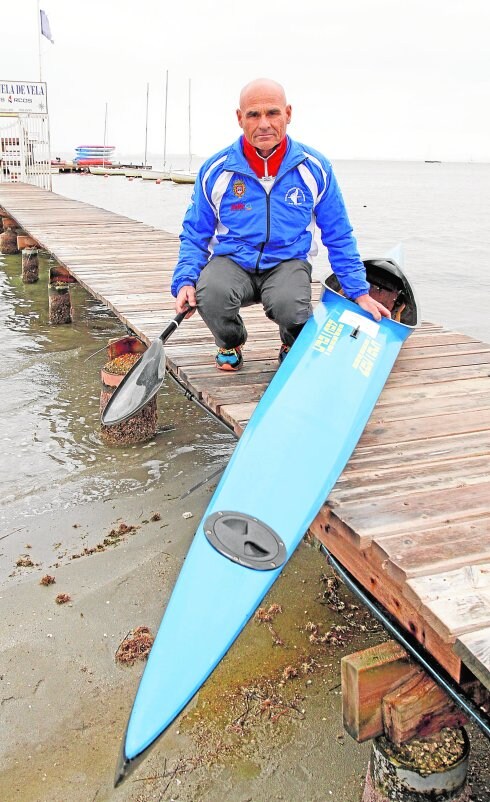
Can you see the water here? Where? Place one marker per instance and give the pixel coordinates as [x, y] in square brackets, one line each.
[439, 212]
[53, 457]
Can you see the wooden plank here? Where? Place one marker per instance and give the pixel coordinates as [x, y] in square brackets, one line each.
[474, 650]
[454, 602]
[418, 708]
[338, 537]
[373, 517]
[404, 479]
[434, 550]
[367, 676]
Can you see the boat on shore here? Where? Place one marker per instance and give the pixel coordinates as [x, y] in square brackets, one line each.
[105, 170]
[155, 175]
[183, 177]
[134, 172]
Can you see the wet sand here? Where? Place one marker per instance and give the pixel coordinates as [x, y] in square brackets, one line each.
[254, 733]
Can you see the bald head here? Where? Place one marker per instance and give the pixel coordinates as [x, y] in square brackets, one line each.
[263, 114]
[262, 87]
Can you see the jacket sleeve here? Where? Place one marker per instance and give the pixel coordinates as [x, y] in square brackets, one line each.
[336, 232]
[198, 228]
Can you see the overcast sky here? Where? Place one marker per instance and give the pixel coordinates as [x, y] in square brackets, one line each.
[404, 79]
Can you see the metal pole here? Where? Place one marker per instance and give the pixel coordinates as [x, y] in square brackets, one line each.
[165, 124]
[105, 135]
[39, 41]
[146, 124]
[190, 151]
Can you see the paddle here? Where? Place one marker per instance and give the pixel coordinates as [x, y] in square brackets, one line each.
[143, 380]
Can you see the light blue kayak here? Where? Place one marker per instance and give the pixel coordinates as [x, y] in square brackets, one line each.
[292, 452]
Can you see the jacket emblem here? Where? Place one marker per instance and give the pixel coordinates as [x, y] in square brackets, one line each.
[295, 196]
[239, 188]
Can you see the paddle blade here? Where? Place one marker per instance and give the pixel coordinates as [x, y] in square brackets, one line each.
[138, 386]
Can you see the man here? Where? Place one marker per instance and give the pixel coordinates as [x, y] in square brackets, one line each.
[248, 234]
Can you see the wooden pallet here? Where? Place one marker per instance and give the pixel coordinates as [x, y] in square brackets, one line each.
[410, 515]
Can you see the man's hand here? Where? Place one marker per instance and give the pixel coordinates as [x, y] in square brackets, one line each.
[186, 297]
[374, 308]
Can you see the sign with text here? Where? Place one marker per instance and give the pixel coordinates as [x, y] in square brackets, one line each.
[23, 97]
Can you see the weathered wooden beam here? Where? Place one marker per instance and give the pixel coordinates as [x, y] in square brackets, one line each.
[25, 241]
[60, 275]
[418, 708]
[367, 677]
[385, 693]
[339, 539]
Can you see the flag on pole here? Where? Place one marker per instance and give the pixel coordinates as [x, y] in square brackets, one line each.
[45, 29]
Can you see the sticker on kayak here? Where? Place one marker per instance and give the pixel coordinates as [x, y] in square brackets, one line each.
[359, 322]
[365, 359]
[328, 337]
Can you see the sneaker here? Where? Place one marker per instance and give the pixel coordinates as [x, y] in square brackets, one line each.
[229, 358]
[283, 352]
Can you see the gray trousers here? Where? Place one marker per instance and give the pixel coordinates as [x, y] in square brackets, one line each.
[224, 287]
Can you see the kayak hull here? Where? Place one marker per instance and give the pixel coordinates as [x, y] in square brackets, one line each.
[288, 459]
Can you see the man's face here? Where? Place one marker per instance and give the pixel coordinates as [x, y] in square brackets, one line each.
[264, 115]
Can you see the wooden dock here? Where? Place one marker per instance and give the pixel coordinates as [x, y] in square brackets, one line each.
[410, 515]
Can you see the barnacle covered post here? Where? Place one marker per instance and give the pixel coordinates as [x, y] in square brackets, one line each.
[8, 237]
[30, 265]
[60, 309]
[122, 354]
[420, 751]
[420, 770]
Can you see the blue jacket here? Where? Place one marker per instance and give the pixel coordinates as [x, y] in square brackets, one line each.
[231, 214]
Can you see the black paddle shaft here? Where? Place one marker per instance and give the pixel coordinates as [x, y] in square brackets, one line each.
[144, 379]
[174, 324]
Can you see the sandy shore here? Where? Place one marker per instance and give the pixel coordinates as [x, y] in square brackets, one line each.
[65, 700]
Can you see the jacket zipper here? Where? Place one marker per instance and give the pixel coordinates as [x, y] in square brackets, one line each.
[268, 203]
[268, 229]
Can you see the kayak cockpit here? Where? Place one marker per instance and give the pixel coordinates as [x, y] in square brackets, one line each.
[389, 286]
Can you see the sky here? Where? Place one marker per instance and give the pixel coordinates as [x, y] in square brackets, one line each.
[367, 79]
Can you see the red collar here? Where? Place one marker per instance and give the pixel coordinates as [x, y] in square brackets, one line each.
[257, 163]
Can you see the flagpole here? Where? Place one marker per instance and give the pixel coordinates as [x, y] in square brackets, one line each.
[39, 41]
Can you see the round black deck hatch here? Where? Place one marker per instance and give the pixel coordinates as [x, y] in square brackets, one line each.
[245, 540]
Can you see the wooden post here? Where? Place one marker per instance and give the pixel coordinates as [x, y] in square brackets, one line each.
[387, 697]
[60, 308]
[422, 771]
[123, 354]
[30, 266]
[59, 304]
[8, 242]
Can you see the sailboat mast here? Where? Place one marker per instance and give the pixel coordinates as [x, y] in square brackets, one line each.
[105, 135]
[146, 124]
[165, 124]
[190, 151]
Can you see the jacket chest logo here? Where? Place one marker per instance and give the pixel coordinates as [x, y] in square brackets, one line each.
[295, 196]
[239, 188]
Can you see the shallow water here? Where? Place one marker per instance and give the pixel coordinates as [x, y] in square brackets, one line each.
[53, 456]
